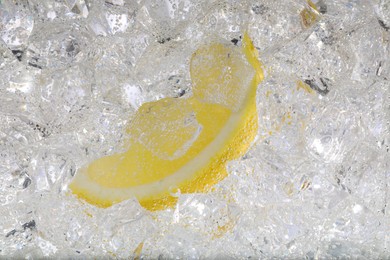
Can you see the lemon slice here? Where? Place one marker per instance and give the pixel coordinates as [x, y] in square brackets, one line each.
[183, 145]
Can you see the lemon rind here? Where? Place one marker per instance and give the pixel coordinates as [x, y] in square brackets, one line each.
[199, 174]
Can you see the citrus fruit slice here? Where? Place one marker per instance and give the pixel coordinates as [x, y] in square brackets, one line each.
[183, 144]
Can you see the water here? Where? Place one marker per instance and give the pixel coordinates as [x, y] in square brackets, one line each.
[315, 183]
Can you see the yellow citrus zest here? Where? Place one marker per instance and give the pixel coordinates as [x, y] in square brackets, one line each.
[182, 145]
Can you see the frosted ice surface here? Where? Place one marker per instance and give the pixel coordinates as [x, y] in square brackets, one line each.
[17, 23]
[314, 185]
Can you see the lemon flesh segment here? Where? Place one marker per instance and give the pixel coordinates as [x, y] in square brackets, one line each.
[183, 144]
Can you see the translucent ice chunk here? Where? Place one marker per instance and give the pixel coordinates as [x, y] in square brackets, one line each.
[16, 23]
[78, 7]
[57, 45]
[329, 139]
[383, 12]
[117, 22]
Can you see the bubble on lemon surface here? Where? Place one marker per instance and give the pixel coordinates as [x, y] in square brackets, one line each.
[167, 127]
[226, 75]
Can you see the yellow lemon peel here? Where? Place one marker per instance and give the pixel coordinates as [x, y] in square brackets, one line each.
[304, 86]
[217, 124]
[309, 15]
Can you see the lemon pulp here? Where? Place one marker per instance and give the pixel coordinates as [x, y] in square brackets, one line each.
[183, 144]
